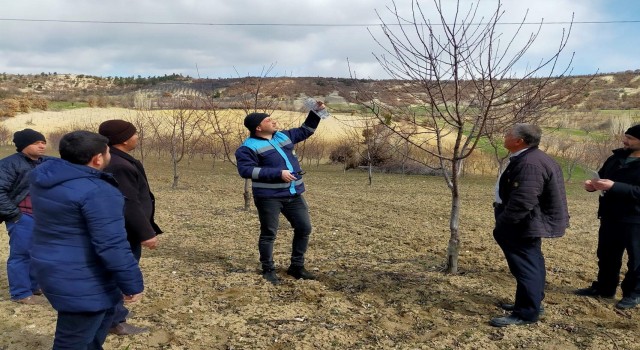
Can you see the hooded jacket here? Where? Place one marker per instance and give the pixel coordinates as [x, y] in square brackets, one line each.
[80, 255]
[533, 196]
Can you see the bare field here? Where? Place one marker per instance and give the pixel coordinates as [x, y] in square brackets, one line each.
[337, 126]
[377, 251]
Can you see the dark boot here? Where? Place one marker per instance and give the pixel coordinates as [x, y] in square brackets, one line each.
[299, 272]
[127, 329]
[270, 275]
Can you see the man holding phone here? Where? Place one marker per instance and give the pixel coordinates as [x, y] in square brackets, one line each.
[619, 214]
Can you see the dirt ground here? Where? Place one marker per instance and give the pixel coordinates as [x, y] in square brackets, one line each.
[378, 252]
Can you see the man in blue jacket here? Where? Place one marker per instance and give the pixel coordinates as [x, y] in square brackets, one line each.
[16, 212]
[268, 158]
[80, 255]
[531, 204]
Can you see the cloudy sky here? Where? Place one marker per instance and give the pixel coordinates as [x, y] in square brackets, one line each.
[231, 38]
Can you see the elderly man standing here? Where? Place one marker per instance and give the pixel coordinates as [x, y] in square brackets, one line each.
[530, 204]
[17, 213]
[139, 207]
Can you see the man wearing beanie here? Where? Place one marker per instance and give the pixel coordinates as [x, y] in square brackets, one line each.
[267, 158]
[17, 213]
[619, 212]
[139, 205]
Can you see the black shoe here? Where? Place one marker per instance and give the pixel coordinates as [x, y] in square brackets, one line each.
[593, 292]
[127, 329]
[299, 272]
[628, 303]
[509, 321]
[270, 275]
[510, 307]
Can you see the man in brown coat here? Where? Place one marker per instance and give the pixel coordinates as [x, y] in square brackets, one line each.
[139, 204]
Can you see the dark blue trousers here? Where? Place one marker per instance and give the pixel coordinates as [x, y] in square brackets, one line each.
[82, 330]
[121, 312]
[296, 211]
[526, 263]
[613, 238]
[21, 282]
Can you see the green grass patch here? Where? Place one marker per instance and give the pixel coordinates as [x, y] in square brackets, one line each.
[66, 105]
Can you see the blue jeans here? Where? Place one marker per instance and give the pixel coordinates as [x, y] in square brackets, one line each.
[296, 211]
[21, 282]
[82, 330]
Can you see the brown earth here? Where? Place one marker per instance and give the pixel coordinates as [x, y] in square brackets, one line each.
[378, 252]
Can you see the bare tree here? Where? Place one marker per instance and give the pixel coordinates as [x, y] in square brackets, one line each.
[227, 126]
[462, 72]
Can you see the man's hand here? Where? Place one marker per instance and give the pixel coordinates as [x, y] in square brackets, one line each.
[151, 243]
[287, 176]
[132, 298]
[602, 185]
[589, 186]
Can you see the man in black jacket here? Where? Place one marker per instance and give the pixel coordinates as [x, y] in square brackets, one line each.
[139, 207]
[619, 214]
[16, 212]
[530, 204]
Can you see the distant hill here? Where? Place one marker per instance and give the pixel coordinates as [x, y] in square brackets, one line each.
[617, 91]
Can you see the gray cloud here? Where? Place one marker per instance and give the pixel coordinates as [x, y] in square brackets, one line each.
[218, 51]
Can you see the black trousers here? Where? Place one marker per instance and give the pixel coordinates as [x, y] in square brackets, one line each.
[613, 238]
[526, 263]
[296, 211]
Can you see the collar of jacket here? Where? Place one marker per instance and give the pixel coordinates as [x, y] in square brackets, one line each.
[121, 154]
[31, 161]
[261, 138]
[622, 152]
[521, 155]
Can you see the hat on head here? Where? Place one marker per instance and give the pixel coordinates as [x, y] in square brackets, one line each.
[26, 137]
[252, 120]
[634, 131]
[117, 131]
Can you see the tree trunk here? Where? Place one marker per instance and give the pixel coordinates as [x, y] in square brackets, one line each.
[174, 160]
[453, 249]
[247, 195]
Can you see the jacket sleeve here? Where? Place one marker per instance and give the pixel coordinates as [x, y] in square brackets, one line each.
[8, 210]
[305, 130]
[136, 221]
[526, 186]
[625, 190]
[249, 166]
[103, 213]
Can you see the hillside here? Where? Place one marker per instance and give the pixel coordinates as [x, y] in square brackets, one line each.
[617, 91]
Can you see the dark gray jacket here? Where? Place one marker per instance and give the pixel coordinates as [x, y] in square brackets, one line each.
[533, 197]
[14, 184]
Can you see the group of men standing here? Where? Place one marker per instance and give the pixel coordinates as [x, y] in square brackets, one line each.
[531, 204]
[76, 226]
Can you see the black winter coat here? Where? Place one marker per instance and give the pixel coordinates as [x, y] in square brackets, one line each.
[622, 201]
[533, 197]
[139, 202]
[14, 184]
